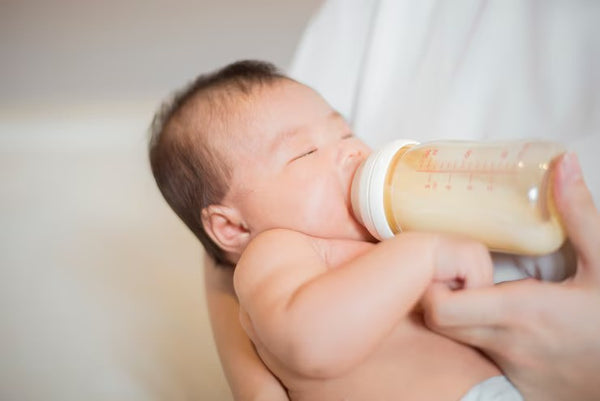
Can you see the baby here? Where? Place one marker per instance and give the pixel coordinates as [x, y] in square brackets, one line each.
[259, 167]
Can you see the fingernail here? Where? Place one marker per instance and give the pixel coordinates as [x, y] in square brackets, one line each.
[570, 168]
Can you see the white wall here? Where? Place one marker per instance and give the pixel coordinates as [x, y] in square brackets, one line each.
[64, 58]
[101, 293]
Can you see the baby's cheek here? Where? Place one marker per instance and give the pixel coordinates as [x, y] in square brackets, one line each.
[324, 206]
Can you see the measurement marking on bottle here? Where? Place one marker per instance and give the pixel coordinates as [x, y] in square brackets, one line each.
[490, 186]
[477, 170]
[428, 185]
[466, 171]
[431, 185]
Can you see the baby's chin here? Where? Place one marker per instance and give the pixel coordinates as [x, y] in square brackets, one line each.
[339, 224]
[363, 234]
[350, 230]
[353, 230]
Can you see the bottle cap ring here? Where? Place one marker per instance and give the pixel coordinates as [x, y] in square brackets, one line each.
[368, 189]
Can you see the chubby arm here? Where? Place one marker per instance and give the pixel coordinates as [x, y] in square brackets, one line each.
[248, 377]
[319, 321]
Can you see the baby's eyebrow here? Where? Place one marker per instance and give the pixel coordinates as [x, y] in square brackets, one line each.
[285, 136]
[337, 118]
[335, 115]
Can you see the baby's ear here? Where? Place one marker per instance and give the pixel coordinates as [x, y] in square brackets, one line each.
[225, 226]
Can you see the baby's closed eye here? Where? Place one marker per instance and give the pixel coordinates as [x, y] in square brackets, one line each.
[303, 154]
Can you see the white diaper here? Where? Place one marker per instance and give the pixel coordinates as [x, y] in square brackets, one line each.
[496, 388]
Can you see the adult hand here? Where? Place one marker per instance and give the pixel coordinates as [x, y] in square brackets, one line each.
[544, 336]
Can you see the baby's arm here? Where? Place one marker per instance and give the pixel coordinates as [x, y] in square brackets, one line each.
[248, 378]
[319, 321]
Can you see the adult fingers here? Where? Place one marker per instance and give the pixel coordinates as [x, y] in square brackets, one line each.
[475, 316]
[581, 219]
[487, 317]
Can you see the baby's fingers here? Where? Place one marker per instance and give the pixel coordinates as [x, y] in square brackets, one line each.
[480, 272]
[463, 261]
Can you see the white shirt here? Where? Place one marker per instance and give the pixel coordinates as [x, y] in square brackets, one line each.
[465, 69]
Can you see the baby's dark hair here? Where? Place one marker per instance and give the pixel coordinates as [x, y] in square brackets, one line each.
[189, 171]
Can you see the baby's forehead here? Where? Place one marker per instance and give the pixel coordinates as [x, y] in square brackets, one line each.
[249, 122]
[241, 119]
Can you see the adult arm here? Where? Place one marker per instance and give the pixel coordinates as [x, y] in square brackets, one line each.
[544, 336]
[248, 377]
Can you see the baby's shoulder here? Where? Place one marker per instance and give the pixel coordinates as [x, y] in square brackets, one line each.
[275, 252]
[277, 240]
[277, 247]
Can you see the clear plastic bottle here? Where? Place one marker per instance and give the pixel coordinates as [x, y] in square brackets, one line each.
[498, 193]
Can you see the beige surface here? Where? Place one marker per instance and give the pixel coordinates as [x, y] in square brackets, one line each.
[104, 300]
[101, 293]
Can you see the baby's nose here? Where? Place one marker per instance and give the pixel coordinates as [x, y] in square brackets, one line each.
[348, 163]
[350, 155]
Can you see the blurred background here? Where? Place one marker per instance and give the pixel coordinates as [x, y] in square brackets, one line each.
[102, 287]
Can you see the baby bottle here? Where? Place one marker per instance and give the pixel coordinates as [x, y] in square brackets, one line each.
[498, 193]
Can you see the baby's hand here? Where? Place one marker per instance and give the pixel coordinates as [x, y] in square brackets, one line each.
[462, 263]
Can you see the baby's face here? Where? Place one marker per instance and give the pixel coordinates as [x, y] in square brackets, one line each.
[294, 158]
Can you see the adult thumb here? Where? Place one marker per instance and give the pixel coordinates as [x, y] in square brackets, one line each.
[580, 217]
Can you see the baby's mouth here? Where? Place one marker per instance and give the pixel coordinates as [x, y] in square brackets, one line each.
[352, 191]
